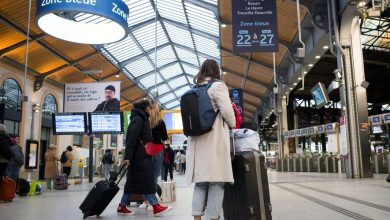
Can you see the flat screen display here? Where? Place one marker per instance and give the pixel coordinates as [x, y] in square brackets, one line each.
[320, 95]
[377, 129]
[69, 123]
[106, 122]
[173, 120]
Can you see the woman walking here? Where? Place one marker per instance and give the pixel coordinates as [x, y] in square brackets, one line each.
[51, 168]
[140, 176]
[208, 156]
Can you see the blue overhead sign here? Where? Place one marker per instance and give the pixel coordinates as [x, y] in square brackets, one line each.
[115, 10]
[386, 118]
[376, 120]
[254, 26]
[237, 98]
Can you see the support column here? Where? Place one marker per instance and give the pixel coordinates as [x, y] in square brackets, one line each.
[283, 126]
[355, 96]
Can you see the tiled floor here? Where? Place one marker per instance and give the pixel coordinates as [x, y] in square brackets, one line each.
[293, 196]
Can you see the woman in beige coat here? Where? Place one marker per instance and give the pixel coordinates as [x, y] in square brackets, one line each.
[51, 169]
[208, 156]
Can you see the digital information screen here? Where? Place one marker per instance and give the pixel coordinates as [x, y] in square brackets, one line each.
[173, 121]
[106, 122]
[73, 123]
[318, 96]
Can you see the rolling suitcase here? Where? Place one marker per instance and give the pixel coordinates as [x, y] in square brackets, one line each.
[248, 198]
[100, 196]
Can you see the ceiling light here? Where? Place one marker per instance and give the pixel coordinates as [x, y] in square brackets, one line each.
[305, 72]
[224, 73]
[318, 57]
[117, 75]
[291, 88]
[284, 96]
[57, 19]
[223, 25]
[299, 78]
[325, 47]
[311, 65]
[295, 84]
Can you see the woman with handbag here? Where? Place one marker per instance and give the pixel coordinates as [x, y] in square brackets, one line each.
[138, 158]
[160, 137]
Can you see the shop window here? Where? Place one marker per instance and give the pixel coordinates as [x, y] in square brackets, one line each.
[49, 106]
[12, 127]
[11, 95]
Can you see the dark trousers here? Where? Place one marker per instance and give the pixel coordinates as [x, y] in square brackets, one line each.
[67, 170]
[183, 168]
[3, 168]
[168, 168]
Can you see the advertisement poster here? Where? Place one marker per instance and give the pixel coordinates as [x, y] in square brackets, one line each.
[343, 140]
[91, 97]
[255, 26]
[237, 98]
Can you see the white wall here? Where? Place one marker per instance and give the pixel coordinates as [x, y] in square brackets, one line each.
[7, 71]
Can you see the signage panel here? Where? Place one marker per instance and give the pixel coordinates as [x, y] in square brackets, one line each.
[254, 26]
[298, 133]
[305, 132]
[376, 120]
[312, 131]
[237, 98]
[286, 134]
[320, 129]
[292, 134]
[386, 118]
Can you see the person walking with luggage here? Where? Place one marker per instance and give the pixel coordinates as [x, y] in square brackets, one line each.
[51, 168]
[160, 136]
[169, 161]
[67, 165]
[140, 176]
[5, 151]
[208, 155]
[17, 160]
[108, 160]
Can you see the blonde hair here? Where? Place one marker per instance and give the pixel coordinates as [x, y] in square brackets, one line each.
[154, 115]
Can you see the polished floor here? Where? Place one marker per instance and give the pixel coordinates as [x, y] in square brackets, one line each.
[293, 195]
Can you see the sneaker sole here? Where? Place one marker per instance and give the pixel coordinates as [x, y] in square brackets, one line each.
[125, 214]
[165, 211]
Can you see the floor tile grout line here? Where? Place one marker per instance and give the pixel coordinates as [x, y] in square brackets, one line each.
[335, 208]
[369, 204]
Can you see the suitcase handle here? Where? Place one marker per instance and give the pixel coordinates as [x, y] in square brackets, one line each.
[123, 174]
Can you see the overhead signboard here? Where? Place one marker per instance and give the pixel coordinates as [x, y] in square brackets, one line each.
[286, 134]
[298, 133]
[376, 120]
[255, 26]
[291, 134]
[331, 128]
[90, 97]
[237, 98]
[320, 129]
[305, 132]
[312, 131]
[386, 118]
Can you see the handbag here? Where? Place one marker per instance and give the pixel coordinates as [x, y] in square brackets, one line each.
[152, 149]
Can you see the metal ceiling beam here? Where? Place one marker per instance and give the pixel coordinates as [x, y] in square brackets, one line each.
[248, 77]
[21, 43]
[246, 71]
[191, 33]
[270, 66]
[167, 35]
[128, 88]
[150, 51]
[173, 100]
[167, 93]
[192, 50]
[137, 79]
[167, 81]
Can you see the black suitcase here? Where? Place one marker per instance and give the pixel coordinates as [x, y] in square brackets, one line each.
[248, 198]
[100, 196]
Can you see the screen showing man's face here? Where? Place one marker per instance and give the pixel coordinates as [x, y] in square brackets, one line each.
[109, 94]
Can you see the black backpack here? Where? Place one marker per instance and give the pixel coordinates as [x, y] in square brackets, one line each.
[22, 187]
[197, 111]
[63, 158]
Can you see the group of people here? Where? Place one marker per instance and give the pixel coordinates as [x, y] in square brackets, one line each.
[208, 156]
[51, 164]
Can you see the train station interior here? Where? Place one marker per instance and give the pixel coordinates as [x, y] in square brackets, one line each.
[316, 87]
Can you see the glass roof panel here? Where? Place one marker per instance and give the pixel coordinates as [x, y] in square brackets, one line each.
[161, 89]
[171, 71]
[167, 98]
[172, 9]
[164, 56]
[178, 82]
[207, 46]
[181, 91]
[214, 2]
[190, 70]
[202, 19]
[180, 35]
[140, 10]
[149, 80]
[124, 49]
[172, 105]
[139, 67]
[146, 36]
[109, 56]
[187, 56]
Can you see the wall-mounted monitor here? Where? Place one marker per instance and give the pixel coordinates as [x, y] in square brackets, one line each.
[377, 129]
[173, 120]
[105, 122]
[320, 95]
[69, 123]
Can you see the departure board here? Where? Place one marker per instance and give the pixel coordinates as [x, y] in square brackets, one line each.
[106, 122]
[69, 123]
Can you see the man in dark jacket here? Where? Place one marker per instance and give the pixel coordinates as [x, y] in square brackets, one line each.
[107, 161]
[5, 150]
[111, 103]
[169, 161]
[17, 160]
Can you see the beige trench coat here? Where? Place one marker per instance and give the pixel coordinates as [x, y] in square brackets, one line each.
[208, 155]
[51, 169]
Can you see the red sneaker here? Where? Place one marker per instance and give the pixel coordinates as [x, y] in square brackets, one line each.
[122, 210]
[159, 210]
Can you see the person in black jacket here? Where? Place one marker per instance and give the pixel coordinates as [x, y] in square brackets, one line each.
[5, 150]
[140, 175]
[111, 104]
[169, 161]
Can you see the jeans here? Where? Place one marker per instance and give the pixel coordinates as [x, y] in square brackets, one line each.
[168, 168]
[107, 170]
[208, 197]
[157, 165]
[152, 199]
[13, 171]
